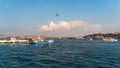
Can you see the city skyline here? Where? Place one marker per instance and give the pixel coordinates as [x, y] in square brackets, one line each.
[59, 17]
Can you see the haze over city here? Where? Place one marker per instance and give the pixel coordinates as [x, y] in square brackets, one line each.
[59, 17]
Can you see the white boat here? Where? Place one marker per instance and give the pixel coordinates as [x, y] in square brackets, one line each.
[90, 39]
[110, 39]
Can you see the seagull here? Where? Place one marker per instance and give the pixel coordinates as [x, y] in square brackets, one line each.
[57, 14]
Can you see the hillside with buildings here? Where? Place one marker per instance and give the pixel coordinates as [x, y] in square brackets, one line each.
[103, 35]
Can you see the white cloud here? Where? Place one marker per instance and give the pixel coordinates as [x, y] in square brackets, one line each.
[70, 25]
[76, 28]
[53, 26]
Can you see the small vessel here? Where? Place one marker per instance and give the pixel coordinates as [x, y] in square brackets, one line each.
[42, 42]
[90, 39]
[110, 39]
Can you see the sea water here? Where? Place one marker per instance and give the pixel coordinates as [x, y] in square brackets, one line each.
[64, 53]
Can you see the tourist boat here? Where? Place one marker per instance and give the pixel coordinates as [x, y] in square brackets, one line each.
[110, 39]
[42, 42]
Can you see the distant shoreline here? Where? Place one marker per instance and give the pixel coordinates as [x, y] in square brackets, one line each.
[103, 35]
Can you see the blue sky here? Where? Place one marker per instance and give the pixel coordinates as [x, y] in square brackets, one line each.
[22, 17]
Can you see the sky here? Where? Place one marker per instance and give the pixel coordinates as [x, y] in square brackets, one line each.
[76, 17]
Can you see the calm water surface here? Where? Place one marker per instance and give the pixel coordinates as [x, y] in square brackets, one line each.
[64, 53]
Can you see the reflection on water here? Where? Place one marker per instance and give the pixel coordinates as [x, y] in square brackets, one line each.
[64, 53]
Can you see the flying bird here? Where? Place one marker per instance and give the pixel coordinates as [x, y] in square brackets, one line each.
[57, 14]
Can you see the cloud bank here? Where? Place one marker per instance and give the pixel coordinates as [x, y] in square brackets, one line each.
[76, 28]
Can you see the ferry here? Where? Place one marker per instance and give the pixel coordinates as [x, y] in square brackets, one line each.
[110, 39]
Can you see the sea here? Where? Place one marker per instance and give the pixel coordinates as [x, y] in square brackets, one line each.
[64, 53]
